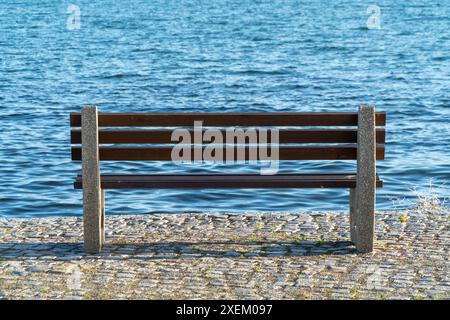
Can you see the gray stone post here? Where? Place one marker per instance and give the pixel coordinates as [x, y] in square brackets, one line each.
[102, 221]
[92, 197]
[365, 181]
[352, 214]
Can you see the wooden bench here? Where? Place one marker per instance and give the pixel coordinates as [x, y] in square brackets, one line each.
[339, 135]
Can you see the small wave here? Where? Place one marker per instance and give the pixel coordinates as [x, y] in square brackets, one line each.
[440, 58]
[122, 76]
[333, 48]
[259, 39]
[262, 72]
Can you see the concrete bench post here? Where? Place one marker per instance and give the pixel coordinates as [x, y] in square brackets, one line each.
[102, 218]
[352, 214]
[93, 213]
[364, 232]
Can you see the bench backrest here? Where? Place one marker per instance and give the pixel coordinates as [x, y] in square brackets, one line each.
[334, 134]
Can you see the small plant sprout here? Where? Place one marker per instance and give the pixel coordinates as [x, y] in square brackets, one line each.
[418, 296]
[300, 238]
[403, 218]
[382, 296]
[355, 293]
[259, 225]
[438, 296]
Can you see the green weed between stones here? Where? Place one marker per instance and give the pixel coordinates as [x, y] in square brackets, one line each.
[382, 296]
[300, 238]
[418, 296]
[355, 293]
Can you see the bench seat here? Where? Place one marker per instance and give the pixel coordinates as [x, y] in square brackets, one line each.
[207, 181]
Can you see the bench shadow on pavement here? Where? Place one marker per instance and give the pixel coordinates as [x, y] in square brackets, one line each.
[60, 251]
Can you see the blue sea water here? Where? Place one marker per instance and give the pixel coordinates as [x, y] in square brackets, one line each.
[219, 56]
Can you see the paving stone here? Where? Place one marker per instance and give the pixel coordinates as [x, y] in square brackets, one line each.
[238, 256]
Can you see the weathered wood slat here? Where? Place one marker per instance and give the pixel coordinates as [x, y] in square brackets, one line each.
[282, 176]
[196, 181]
[285, 136]
[228, 119]
[285, 153]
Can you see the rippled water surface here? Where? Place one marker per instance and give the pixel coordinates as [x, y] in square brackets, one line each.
[218, 56]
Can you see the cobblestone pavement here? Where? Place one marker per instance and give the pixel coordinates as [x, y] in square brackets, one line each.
[245, 256]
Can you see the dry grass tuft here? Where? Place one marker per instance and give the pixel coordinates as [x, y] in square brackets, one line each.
[429, 199]
[426, 200]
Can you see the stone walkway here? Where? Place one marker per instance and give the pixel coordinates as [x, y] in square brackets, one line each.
[196, 256]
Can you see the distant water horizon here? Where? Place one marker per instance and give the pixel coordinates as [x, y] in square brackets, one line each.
[219, 56]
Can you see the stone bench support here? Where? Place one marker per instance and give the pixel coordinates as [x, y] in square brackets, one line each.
[362, 199]
[93, 195]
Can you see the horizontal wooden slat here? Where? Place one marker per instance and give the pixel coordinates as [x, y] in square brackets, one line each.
[285, 153]
[206, 181]
[228, 119]
[286, 136]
